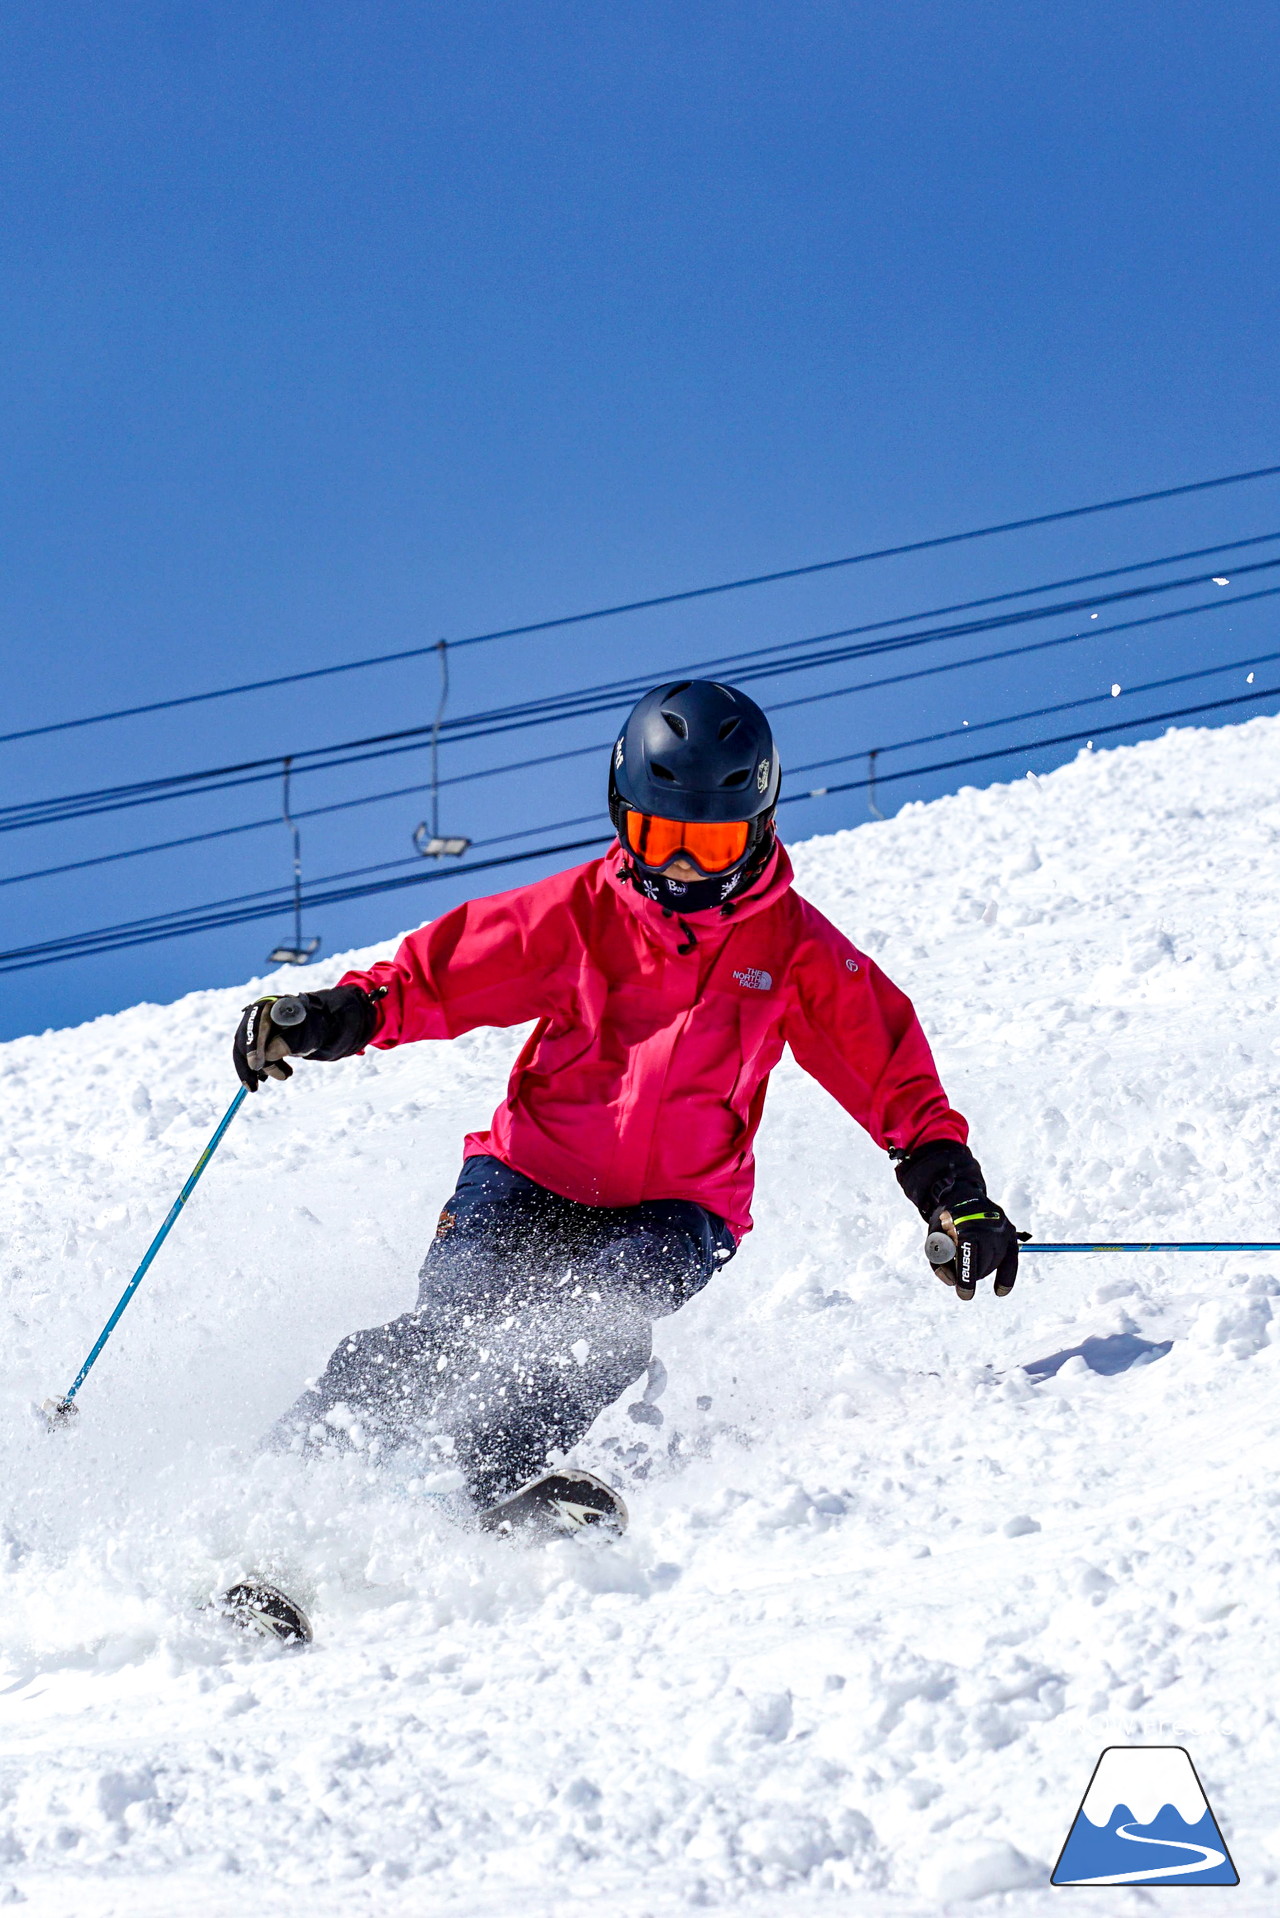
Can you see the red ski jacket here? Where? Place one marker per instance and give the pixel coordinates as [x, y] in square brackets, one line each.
[646, 1073]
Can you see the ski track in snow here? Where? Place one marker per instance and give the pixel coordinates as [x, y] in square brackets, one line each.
[883, 1603]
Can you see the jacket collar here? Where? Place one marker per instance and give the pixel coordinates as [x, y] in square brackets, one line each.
[709, 927]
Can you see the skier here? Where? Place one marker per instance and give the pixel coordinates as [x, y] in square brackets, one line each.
[616, 1176]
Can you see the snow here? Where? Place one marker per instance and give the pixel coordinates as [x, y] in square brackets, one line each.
[886, 1595]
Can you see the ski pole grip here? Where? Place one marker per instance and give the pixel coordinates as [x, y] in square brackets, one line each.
[940, 1248]
[289, 1011]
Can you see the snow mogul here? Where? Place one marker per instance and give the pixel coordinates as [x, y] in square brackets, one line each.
[615, 1178]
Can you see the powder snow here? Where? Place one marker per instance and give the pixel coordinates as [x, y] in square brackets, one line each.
[886, 1595]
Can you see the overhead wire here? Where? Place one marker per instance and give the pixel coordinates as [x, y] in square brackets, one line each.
[586, 702]
[778, 658]
[987, 599]
[286, 895]
[968, 727]
[150, 931]
[245, 907]
[312, 812]
[649, 604]
[1032, 745]
[601, 746]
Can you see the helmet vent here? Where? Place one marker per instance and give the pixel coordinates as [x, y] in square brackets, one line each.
[696, 750]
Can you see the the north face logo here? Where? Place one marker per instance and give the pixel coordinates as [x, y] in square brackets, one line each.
[749, 976]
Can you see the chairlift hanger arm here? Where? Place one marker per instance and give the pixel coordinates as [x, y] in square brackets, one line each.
[302, 949]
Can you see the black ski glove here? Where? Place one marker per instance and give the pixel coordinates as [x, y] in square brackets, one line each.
[965, 1246]
[944, 1182]
[314, 1025]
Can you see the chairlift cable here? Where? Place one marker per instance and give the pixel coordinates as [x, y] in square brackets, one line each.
[222, 913]
[662, 599]
[601, 746]
[585, 703]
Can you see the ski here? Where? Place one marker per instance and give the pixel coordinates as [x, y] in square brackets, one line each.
[557, 1504]
[264, 1610]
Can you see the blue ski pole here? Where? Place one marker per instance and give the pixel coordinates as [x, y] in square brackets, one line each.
[1163, 1245]
[60, 1411]
[940, 1246]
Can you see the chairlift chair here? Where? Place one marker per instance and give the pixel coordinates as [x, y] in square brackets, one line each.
[427, 837]
[435, 845]
[295, 955]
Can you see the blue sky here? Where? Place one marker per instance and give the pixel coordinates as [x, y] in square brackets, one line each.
[332, 329]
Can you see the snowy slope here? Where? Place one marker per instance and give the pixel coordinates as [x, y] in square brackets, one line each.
[883, 1602]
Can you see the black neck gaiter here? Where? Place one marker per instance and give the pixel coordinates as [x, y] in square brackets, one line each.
[688, 895]
[697, 895]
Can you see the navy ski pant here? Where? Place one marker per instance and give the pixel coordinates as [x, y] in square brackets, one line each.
[534, 1313]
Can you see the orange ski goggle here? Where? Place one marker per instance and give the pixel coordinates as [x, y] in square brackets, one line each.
[656, 842]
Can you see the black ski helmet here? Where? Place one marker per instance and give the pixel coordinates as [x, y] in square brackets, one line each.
[696, 750]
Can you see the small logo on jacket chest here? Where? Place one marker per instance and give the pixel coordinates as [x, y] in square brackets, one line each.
[753, 977]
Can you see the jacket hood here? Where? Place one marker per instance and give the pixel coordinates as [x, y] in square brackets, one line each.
[712, 924]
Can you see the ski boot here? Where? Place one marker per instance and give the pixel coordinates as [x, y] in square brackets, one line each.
[556, 1504]
[255, 1606]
